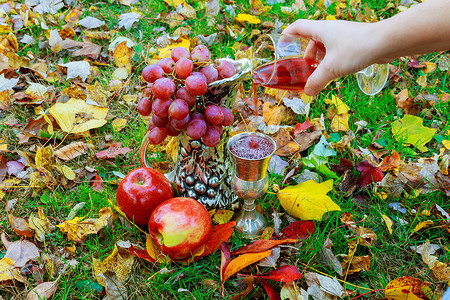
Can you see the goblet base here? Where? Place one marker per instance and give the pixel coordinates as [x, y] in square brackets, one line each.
[250, 223]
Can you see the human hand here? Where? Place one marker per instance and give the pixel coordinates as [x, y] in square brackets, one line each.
[342, 47]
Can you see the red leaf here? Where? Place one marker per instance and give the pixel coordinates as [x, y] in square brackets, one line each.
[343, 166]
[225, 259]
[220, 233]
[285, 273]
[141, 253]
[97, 183]
[113, 150]
[273, 295]
[262, 245]
[299, 230]
[301, 127]
[369, 174]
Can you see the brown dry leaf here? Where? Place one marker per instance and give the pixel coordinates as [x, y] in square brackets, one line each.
[119, 262]
[5, 100]
[73, 16]
[98, 95]
[20, 226]
[328, 257]
[441, 271]
[272, 116]
[405, 288]
[356, 264]
[285, 145]
[243, 261]
[390, 162]
[122, 56]
[257, 7]
[40, 224]
[42, 179]
[366, 237]
[72, 150]
[45, 158]
[44, 290]
[173, 19]
[77, 229]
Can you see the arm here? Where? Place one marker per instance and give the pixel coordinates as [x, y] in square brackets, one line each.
[352, 46]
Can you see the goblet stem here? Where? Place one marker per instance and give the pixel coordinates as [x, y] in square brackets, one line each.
[250, 222]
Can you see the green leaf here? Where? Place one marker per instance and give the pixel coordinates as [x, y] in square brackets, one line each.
[410, 130]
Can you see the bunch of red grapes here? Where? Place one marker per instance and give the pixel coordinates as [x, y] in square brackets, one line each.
[175, 85]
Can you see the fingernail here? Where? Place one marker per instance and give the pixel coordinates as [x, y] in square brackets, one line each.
[309, 91]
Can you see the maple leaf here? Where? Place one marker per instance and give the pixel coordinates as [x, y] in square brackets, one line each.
[301, 127]
[369, 174]
[410, 130]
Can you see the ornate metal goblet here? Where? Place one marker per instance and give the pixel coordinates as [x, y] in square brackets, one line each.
[250, 153]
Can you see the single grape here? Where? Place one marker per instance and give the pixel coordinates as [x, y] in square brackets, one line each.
[201, 54]
[196, 128]
[152, 72]
[178, 53]
[161, 107]
[163, 88]
[180, 124]
[178, 109]
[147, 92]
[144, 107]
[150, 125]
[172, 131]
[200, 74]
[196, 84]
[183, 93]
[167, 64]
[157, 135]
[197, 116]
[213, 114]
[219, 129]
[211, 136]
[226, 69]
[210, 73]
[160, 122]
[183, 67]
[228, 117]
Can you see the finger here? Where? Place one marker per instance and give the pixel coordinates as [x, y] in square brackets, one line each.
[311, 50]
[304, 28]
[319, 79]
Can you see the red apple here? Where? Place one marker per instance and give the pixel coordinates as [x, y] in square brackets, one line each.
[140, 192]
[180, 226]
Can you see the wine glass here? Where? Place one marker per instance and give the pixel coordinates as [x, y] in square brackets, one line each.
[282, 61]
[250, 153]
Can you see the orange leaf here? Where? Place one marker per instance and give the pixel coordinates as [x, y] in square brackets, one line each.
[272, 116]
[243, 261]
[20, 226]
[220, 233]
[262, 245]
[154, 252]
[390, 162]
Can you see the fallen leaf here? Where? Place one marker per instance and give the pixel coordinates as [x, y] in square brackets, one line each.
[78, 229]
[119, 262]
[113, 150]
[405, 288]
[77, 68]
[219, 234]
[72, 150]
[272, 116]
[246, 18]
[329, 258]
[44, 290]
[307, 200]
[128, 19]
[390, 162]
[241, 262]
[20, 226]
[21, 252]
[40, 224]
[423, 224]
[91, 22]
[141, 253]
[222, 216]
[262, 245]
[410, 130]
[299, 230]
[284, 273]
[8, 272]
[327, 285]
[76, 116]
[270, 290]
[388, 222]
[369, 173]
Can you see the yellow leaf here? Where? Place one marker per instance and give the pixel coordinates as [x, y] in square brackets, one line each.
[405, 288]
[308, 200]
[78, 229]
[45, 158]
[7, 271]
[330, 17]
[166, 51]
[388, 223]
[40, 224]
[423, 224]
[118, 124]
[243, 261]
[76, 116]
[222, 216]
[242, 18]
[122, 55]
[429, 67]
[272, 116]
[171, 149]
[341, 107]
[446, 144]
[410, 130]
[175, 3]
[340, 123]
[154, 251]
[119, 262]
[422, 81]
[66, 171]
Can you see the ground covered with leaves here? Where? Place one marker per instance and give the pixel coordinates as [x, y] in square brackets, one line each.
[372, 172]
